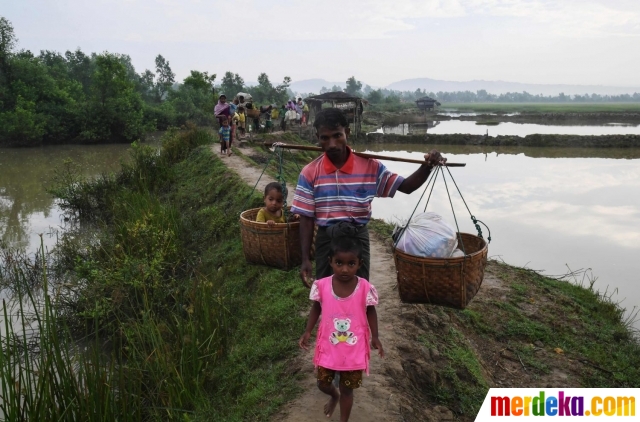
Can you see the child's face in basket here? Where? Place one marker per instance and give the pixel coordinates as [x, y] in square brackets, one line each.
[273, 201]
[345, 265]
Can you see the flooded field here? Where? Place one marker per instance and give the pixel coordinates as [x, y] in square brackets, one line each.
[26, 209]
[508, 128]
[548, 209]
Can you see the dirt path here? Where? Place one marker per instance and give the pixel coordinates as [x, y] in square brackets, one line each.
[377, 399]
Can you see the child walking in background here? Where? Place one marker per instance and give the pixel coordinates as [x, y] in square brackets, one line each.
[242, 118]
[225, 137]
[272, 212]
[346, 303]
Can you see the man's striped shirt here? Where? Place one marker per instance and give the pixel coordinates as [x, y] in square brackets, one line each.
[330, 195]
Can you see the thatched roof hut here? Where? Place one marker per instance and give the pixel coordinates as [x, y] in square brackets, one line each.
[427, 103]
[351, 105]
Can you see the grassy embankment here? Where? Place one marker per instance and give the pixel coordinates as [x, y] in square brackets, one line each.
[180, 327]
[524, 324]
[188, 330]
[531, 331]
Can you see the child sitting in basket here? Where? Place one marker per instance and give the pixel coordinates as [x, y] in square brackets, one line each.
[272, 211]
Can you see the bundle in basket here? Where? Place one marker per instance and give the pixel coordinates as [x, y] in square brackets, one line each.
[276, 246]
[252, 113]
[451, 282]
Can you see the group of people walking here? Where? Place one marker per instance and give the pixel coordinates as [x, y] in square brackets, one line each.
[335, 192]
[232, 117]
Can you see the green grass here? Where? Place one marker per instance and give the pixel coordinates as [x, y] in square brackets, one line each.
[184, 328]
[464, 386]
[591, 330]
[543, 107]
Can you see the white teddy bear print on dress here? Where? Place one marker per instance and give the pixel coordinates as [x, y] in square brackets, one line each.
[342, 333]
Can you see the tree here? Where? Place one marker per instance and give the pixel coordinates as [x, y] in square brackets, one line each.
[335, 88]
[7, 43]
[375, 97]
[353, 87]
[166, 78]
[80, 68]
[265, 92]
[200, 81]
[231, 84]
[194, 100]
[324, 89]
[282, 91]
[115, 108]
[146, 85]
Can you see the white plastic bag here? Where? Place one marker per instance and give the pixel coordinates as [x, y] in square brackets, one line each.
[428, 235]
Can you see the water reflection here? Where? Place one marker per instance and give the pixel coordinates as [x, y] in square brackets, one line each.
[508, 128]
[547, 213]
[26, 209]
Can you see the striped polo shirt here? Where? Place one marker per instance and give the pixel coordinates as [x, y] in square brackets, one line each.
[330, 195]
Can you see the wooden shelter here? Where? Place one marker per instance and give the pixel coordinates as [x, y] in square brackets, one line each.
[426, 103]
[351, 105]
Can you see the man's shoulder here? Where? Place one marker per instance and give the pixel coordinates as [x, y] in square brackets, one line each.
[362, 163]
[312, 168]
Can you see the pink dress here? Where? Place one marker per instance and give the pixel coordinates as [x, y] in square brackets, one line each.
[343, 337]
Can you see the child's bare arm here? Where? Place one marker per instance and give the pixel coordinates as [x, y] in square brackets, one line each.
[372, 318]
[314, 314]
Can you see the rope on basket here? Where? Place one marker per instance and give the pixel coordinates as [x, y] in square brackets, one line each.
[279, 153]
[473, 218]
[431, 180]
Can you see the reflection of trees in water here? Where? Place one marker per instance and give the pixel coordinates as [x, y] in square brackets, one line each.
[419, 128]
[27, 172]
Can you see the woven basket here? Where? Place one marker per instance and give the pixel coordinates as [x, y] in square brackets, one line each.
[276, 246]
[253, 113]
[449, 282]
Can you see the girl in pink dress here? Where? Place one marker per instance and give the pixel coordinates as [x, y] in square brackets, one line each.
[346, 303]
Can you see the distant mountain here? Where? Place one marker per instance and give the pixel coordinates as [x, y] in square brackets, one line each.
[500, 87]
[313, 85]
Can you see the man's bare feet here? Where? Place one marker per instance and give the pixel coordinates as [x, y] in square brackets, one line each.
[331, 405]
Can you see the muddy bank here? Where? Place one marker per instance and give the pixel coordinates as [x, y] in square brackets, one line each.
[536, 140]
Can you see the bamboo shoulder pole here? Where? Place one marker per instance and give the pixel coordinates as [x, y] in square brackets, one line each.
[360, 154]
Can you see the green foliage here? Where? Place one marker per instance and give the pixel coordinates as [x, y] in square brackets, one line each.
[231, 84]
[114, 111]
[375, 96]
[158, 372]
[157, 283]
[166, 78]
[266, 93]
[354, 87]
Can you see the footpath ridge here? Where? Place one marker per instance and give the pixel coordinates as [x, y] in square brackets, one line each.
[377, 399]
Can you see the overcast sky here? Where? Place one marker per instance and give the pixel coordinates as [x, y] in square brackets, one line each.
[378, 41]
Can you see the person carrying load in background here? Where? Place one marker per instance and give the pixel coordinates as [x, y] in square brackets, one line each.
[335, 192]
[222, 110]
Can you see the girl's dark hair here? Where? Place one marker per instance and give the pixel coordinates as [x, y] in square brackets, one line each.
[345, 244]
[271, 186]
[331, 118]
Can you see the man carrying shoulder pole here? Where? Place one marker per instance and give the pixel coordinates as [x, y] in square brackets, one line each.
[335, 192]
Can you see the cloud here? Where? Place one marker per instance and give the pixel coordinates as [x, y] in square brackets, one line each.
[569, 17]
